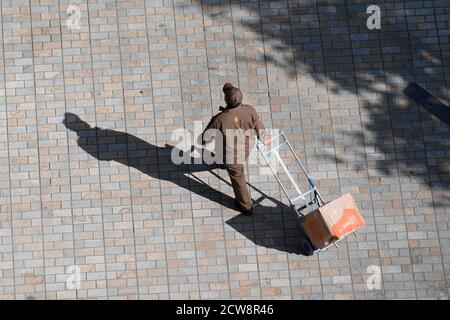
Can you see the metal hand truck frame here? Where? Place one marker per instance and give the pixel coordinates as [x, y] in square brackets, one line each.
[299, 203]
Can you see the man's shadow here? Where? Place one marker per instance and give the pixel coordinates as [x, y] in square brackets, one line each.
[111, 145]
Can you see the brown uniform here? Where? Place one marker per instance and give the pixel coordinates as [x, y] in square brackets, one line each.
[239, 126]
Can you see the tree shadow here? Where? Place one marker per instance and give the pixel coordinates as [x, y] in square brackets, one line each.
[328, 41]
[156, 162]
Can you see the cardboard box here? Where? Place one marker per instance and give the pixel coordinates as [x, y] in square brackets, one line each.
[332, 222]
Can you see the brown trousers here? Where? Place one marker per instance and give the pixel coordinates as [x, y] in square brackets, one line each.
[237, 177]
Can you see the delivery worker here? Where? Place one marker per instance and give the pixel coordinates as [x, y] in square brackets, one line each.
[239, 124]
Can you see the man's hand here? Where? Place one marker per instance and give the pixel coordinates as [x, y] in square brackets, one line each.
[267, 141]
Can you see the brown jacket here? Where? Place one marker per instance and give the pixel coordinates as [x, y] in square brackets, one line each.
[239, 126]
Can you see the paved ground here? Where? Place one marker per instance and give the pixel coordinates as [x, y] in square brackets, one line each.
[137, 226]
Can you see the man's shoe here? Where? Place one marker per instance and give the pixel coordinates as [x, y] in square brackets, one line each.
[247, 212]
[244, 210]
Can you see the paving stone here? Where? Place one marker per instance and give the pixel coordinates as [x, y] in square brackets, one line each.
[109, 203]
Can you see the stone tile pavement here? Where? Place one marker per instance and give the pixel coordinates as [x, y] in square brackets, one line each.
[107, 205]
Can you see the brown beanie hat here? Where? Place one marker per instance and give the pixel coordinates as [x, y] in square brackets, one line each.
[233, 96]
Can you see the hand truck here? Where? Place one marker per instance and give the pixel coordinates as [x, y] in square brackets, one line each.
[301, 203]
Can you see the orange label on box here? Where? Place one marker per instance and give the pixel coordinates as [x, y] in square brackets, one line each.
[349, 221]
